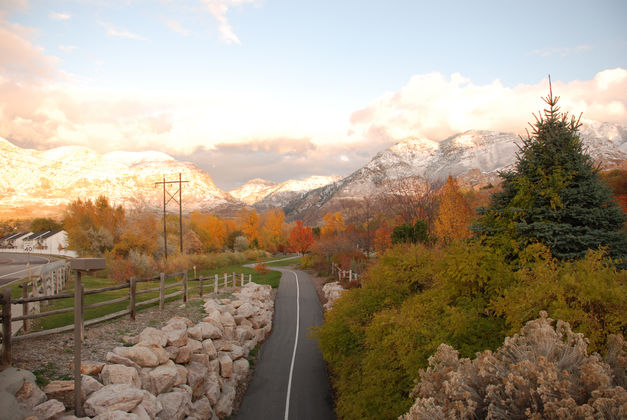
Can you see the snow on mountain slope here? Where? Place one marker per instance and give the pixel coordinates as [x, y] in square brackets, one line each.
[475, 157]
[58, 176]
[253, 191]
[287, 191]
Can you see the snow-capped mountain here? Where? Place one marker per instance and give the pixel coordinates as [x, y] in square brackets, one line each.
[53, 178]
[288, 191]
[265, 194]
[38, 183]
[475, 157]
[253, 191]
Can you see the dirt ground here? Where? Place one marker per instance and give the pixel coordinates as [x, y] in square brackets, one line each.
[51, 357]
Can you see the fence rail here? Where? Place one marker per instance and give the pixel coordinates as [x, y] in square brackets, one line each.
[6, 301]
[349, 275]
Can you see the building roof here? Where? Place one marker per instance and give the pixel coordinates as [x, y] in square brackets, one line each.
[50, 233]
[35, 235]
[17, 236]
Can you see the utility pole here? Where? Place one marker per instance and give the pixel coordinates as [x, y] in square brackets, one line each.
[180, 203]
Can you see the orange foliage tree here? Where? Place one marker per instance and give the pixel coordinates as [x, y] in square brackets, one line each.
[455, 214]
[93, 227]
[140, 233]
[301, 238]
[210, 229]
[383, 238]
[272, 229]
[249, 224]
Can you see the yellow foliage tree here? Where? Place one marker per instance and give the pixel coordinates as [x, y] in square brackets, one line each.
[455, 214]
[333, 224]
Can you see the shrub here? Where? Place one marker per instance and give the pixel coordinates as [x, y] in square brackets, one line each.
[589, 293]
[175, 264]
[261, 268]
[240, 244]
[545, 372]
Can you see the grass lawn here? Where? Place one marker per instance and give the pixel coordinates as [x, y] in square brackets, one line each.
[285, 263]
[270, 277]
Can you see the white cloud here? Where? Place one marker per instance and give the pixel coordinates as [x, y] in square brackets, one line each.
[68, 48]
[176, 27]
[219, 8]
[436, 106]
[561, 51]
[59, 16]
[41, 108]
[121, 33]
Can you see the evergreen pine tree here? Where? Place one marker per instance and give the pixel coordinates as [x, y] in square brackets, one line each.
[555, 195]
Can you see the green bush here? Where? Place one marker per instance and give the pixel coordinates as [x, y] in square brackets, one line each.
[468, 296]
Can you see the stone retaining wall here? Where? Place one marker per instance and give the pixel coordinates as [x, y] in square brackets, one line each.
[332, 291]
[181, 371]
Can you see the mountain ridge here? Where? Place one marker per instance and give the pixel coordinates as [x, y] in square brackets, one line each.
[49, 179]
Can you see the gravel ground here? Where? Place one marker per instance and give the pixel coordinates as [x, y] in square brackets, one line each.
[52, 356]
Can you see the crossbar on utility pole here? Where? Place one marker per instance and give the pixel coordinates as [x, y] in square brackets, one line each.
[180, 203]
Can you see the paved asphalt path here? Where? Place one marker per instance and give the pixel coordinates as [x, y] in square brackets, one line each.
[15, 266]
[290, 380]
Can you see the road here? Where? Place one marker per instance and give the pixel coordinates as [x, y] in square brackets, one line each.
[290, 380]
[15, 266]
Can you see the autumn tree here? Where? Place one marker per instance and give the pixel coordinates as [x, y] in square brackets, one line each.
[333, 224]
[410, 199]
[554, 195]
[192, 243]
[249, 224]
[454, 215]
[210, 229]
[93, 227]
[382, 238]
[272, 229]
[301, 238]
[617, 181]
[140, 233]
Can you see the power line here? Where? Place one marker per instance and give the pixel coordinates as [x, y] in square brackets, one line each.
[180, 203]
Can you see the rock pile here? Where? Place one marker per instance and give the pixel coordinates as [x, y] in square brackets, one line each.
[181, 371]
[332, 291]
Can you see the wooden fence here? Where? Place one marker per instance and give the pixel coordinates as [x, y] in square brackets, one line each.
[349, 275]
[204, 284]
[51, 281]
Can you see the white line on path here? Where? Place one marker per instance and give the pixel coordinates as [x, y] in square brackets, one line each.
[15, 272]
[289, 383]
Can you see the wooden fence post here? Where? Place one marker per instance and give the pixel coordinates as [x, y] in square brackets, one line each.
[215, 285]
[161, 290]
[233, 278]
[78, 327]
[185, 287]
[6, 326]
[250, 278]
[241, 283]
[131, 292]
[82, 291]
[26, 322]
[200, 285]
[226, 280]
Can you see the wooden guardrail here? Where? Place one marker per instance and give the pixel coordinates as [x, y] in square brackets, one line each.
[6, 301]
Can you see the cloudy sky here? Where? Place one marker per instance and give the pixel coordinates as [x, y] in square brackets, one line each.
[283, 89]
